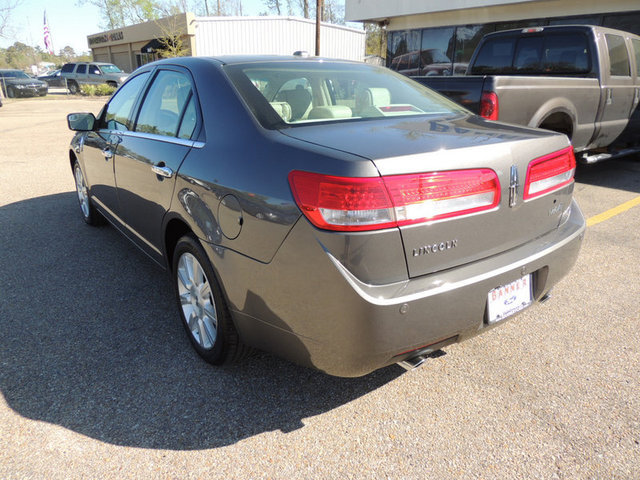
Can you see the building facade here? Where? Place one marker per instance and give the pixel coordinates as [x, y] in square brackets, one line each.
[438, 37]
[135, 45]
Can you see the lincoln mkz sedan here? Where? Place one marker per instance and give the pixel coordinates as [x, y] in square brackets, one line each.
[336, 214]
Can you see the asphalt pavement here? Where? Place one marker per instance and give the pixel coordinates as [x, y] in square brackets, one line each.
[98, 380]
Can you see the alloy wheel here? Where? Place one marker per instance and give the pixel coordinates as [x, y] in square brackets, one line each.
[196, 301]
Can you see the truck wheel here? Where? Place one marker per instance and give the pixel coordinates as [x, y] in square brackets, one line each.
[112, 84]
[11, 92]
[73, 87]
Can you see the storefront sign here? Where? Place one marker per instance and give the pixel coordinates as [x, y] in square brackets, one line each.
[106, 37]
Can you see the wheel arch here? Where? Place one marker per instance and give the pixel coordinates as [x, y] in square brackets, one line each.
[558, 115]
[175, 229]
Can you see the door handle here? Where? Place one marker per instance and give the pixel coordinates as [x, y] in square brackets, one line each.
[162, 170]
[609, 96]
[108, 154]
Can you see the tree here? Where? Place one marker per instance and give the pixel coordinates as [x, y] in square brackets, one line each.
[273, 5]
[375, 40]
[67, 53]
[6, 9]
[120, 13]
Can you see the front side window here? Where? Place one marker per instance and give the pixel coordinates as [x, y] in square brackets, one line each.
[296, 93]
[618, 57]
[166, 104]
[94, 70]
[117, 115]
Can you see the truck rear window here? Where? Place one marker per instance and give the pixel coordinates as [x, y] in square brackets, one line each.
[546, 54]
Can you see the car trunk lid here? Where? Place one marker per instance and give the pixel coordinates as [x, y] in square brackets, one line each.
[414, 146]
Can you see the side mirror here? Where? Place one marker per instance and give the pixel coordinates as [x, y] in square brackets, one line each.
[81, 122]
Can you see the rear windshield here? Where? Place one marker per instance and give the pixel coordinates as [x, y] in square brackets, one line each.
[548, 54]
[303, 92]
[110, 69]
[13, 74]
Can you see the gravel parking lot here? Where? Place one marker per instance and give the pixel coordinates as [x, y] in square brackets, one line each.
[98, 380]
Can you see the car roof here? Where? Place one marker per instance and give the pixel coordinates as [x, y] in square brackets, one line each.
[244, 59]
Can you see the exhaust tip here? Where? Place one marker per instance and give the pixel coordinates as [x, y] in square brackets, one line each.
[413, 362]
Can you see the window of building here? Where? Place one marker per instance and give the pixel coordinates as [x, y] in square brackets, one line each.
[467, 39]
[436, 51]
[627, 22]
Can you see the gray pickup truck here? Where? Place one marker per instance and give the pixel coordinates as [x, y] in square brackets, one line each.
[583, 81]
[92, 73]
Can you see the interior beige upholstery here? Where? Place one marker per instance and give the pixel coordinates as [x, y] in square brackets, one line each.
[330, 111]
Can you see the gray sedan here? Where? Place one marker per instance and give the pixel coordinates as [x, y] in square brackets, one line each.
[334, 213]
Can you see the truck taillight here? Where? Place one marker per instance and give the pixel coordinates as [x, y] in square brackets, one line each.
[549, 173]
[489, 108]
[360, 204]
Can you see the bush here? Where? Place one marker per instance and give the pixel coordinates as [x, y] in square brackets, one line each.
[97, 90]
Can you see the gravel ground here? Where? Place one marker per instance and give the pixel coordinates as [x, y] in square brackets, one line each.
[97, 378]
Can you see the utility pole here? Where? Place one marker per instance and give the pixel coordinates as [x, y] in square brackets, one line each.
[319, 8]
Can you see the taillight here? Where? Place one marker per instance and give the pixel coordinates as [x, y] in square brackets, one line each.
[358, 204]
[489, 105]
[549, 173]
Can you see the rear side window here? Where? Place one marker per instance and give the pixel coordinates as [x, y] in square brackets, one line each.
[636, 49]
[618, 56]
[67, 68]
[81, 69]
[495, 56]
[165, 105]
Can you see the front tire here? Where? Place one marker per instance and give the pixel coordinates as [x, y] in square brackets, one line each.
[202, 306]
[89, 213]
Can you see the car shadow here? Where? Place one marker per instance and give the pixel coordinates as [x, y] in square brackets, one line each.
[622, 173]
[91, 340]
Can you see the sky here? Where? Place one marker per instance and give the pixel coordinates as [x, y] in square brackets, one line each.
[69, 22]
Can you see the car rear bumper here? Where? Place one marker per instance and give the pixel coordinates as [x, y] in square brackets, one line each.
[307, 307]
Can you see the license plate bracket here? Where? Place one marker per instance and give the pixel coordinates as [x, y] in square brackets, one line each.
[507, 300]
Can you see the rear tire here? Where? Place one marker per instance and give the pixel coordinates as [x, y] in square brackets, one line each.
[203, 309]
[73, 87]
[89, 213]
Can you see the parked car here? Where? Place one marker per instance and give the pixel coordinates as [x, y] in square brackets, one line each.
[94, 73]
[53, 79]
[334, 213]
[16, 83]
[580, 80]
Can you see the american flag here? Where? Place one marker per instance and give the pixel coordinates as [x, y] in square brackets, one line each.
[47, 36]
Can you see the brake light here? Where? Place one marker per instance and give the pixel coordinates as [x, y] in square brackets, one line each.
[374, 203]
[549, 173]
[489, 108]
